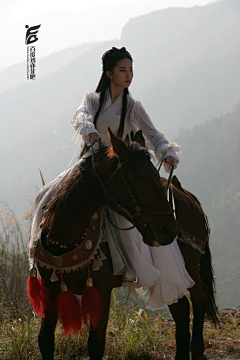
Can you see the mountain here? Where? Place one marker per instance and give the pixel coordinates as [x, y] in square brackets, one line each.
[186, 72]
[189, 63]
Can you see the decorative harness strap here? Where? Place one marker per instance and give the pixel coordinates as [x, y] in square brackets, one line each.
[79, 257]
[189, 239]
[138, 208]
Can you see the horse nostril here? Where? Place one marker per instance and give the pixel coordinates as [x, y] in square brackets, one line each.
[165, 231]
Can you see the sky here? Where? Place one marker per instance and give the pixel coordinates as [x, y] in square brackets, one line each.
[67, 23]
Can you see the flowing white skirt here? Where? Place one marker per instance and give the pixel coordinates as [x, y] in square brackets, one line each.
[159, 270]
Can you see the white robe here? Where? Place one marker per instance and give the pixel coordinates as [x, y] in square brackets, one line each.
[161, 271]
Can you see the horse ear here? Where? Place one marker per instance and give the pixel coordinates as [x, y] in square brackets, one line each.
[139, 138]
[118, 145]
[129, 137]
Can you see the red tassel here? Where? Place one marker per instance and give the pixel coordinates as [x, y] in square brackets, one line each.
[69, 311]
[92, 304]
[34, 291]
[39, 297]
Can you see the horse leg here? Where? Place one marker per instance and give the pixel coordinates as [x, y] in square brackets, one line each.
[180, 313]
[96, 339]
[46, 336]
[199, 307]
[198, 298]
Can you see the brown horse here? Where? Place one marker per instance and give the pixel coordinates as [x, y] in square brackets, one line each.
[194, 239]
[122, 169]
[67, 218]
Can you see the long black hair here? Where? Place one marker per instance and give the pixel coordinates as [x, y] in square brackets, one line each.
[109, 60]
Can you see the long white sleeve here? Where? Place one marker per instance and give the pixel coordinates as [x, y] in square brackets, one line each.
[155, 140]
[84, 116]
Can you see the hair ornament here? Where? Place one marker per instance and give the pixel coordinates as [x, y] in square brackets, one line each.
[113, 51]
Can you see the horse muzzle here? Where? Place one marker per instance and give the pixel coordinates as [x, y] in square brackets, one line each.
[164, 237]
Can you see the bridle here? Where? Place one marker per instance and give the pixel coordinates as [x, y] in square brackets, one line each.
[120, 208]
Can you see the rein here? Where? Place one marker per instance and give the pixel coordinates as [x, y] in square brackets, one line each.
[169, 178]
[120, 208]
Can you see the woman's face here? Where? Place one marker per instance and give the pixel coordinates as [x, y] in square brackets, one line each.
[122, 74]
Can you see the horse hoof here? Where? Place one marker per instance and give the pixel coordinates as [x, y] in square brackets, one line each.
[197, 351]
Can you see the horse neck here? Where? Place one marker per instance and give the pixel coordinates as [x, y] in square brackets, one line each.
[70, 222]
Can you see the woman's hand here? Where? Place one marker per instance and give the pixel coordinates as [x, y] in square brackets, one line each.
[94, 137]
[170, 160]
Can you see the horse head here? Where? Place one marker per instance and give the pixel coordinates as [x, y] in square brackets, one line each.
[137, 191]
[132, 188]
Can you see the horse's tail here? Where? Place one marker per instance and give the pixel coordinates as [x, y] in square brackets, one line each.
[207, 277]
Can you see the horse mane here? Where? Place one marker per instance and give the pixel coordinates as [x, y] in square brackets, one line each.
[178, 185]
[135, 151]
[193, 197]
[78, 175]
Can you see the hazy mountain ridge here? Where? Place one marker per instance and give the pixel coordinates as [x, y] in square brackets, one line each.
[194, 71]
[177, 88]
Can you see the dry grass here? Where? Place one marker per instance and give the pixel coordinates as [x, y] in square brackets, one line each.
[132, 333]
[14, 236]
[141, 338]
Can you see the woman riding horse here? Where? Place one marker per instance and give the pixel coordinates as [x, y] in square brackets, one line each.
[161, 271]
[78, 237]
